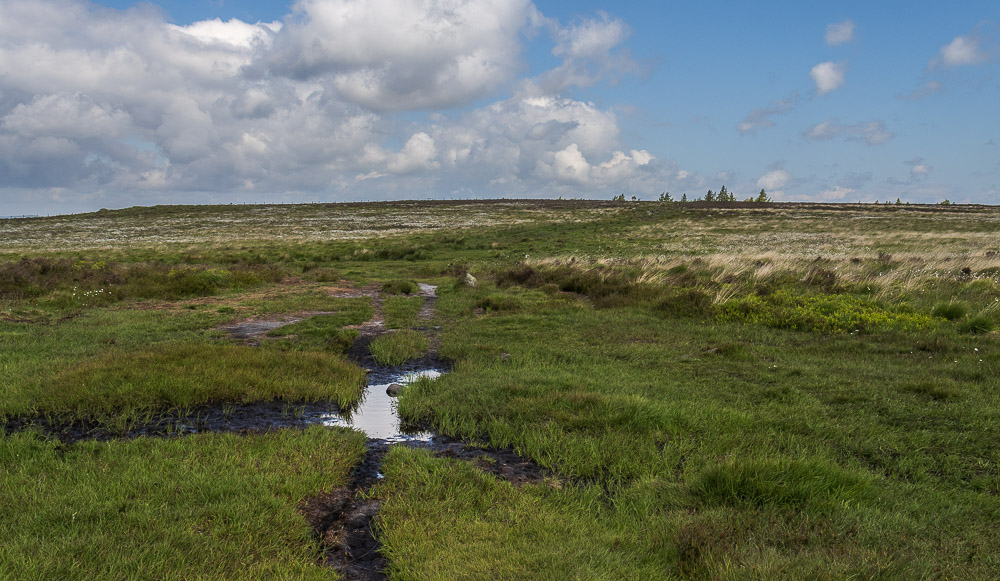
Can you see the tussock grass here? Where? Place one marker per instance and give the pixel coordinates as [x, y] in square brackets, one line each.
[172, 376]
[399, 347]
[207, 506]
[319, 331]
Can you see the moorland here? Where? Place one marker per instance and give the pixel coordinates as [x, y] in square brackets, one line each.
[698, 390]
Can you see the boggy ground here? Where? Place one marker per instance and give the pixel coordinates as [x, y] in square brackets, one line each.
[737, 391]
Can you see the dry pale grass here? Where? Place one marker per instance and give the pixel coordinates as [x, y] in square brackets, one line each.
[225, 225]
[891, 255]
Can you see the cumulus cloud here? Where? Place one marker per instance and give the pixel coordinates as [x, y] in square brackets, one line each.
[963, 50]
[828, 76]
[70, 115]
[871, 133]
[590, 38]
[774, 180]
[391, 55]
[977, 47]
[591, 51]
[839, 33]
[761, 118]
[99, 100]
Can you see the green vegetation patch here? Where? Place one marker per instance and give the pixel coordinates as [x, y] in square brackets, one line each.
[838, 313]
[401, 312]
[398, 347]
[185, 375]
[320, 331]
[534, 532]
[208, 506]
[779, 481]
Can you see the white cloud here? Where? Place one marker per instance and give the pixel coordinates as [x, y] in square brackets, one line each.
[977, 47]
[591, 51]
[871, 133]
[97, 101]
[839, 33]
[390, 55]
[774, 180]
[67, 115]
[234, 32]
[590, 38]
[828, 76]
[418, 153]
[963, 50]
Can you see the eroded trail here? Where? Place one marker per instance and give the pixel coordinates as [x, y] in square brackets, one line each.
[344, 519]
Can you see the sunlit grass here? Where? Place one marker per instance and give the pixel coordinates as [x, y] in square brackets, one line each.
[210, 506]
[398, 347]
[401, 312]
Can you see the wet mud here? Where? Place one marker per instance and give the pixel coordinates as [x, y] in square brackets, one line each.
[241, 418]
[344, 522]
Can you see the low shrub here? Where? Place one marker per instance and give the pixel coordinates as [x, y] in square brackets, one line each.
[689, 302]
[828, 314]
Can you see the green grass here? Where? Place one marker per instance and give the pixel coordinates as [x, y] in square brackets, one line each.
[399, 347]
[202, 507]
[352, 311]
[182, 376]
[800, 454]
[320, 331]
[401, 312]
[759, 391]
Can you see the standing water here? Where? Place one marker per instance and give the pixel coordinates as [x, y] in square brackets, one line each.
[376, 415]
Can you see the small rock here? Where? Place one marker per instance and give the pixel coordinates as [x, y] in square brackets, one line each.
[394, 389]
[470, 280]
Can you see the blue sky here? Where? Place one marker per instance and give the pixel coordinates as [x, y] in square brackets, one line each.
[118, 103]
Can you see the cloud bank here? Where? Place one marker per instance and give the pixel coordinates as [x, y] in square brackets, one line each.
[123, 105]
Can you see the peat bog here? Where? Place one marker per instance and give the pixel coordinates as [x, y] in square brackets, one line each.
[617, 390]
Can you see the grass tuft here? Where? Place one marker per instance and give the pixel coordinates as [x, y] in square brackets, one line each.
[399, 347]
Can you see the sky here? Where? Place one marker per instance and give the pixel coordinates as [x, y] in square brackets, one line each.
[116, 103]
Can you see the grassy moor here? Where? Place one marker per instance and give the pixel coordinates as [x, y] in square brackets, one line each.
[630, 390]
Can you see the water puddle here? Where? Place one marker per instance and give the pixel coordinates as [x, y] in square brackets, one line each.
[376, 414]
